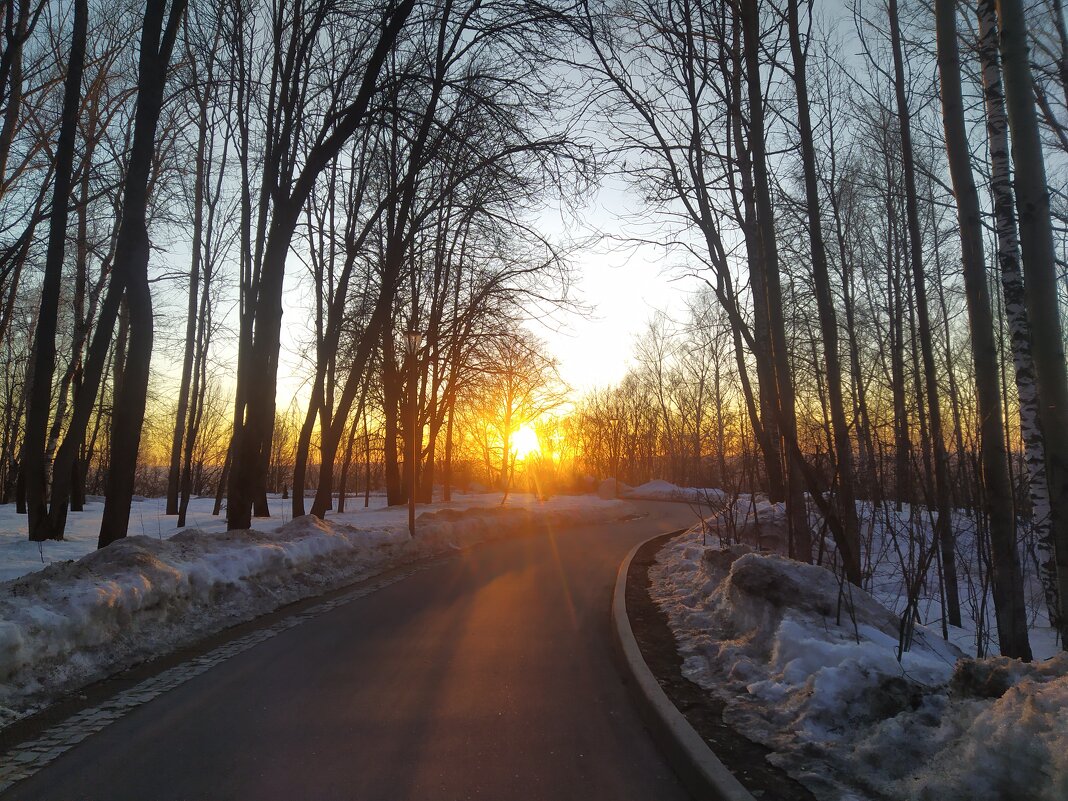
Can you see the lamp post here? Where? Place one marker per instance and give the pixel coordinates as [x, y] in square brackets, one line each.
[414, 340]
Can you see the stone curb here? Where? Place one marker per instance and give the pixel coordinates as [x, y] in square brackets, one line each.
[699, 769]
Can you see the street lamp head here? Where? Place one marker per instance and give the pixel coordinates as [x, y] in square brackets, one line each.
[415, 339]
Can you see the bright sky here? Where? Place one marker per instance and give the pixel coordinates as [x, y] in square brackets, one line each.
[620, 285]
[623, 285]
[624, 290]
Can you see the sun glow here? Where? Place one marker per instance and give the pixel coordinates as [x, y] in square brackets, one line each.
[525, 443]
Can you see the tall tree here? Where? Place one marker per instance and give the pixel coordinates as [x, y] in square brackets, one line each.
[130, 271]
[258, 363]
[997, 500]
[1040, 278]
[943, 524]
[1008, 251]
[768, 268]
[200, 58]
[843, 447]
[42, 366]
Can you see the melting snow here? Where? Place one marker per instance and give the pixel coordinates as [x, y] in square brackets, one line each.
[808, 666]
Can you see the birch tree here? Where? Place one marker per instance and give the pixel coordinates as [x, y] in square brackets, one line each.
[1040, 280]
[998, 500]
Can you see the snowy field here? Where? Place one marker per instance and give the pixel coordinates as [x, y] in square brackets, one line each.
[65, 623]
[808, 666]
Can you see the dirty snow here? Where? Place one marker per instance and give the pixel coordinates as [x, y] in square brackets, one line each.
[71, 622]
[808, 666]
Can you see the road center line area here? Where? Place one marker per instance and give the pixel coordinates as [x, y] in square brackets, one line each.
[484, 674]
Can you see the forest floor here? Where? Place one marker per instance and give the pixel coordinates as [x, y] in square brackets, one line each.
[808, 668]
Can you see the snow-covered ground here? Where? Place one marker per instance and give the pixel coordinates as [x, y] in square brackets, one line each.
[659, 490]
[65, 623]
[891, 543]
[808, 666]
[19, 556]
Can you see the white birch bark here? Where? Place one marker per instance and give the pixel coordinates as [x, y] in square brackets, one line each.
[1008, 244]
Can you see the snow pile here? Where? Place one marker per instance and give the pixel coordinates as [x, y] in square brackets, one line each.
[887, 563]
[72, 622]
[890, 538]
[808, 666]
[1014, 726]
[753, 520]
[19, 556]
[666, 491]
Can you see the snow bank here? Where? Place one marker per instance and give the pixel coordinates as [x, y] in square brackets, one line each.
[75, 621]
[666, 491]
[808, 666]
[753, 520]
[886, 566]
[19, 556]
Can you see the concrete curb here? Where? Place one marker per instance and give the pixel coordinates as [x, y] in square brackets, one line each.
[698, 768]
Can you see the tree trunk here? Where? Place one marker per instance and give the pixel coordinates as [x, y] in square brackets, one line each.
[896, 312]
[1040, 287]
[415, 441]
[843, 449]
[446, 470]
[193, 306]
[342, 482]
[943, 525]
[42, 368]
[367, 465]
[300, 459]
[131, 267]
[1012, 285]
[391, 394]
[800, 536]
[998, 501]
[13, 101]
[220, 490]
[197, 395]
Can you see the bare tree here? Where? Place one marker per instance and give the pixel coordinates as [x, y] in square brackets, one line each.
[42, 368]
[287, 189]
[1008, 252]
[1040, 284]
[843, 447]
[998, 501]
[944, 528]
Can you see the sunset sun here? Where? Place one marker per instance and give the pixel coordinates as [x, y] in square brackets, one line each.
[525, 443]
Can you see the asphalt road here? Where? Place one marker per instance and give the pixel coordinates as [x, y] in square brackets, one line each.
[490, 676]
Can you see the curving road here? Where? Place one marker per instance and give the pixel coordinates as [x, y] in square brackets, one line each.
[488, 676]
